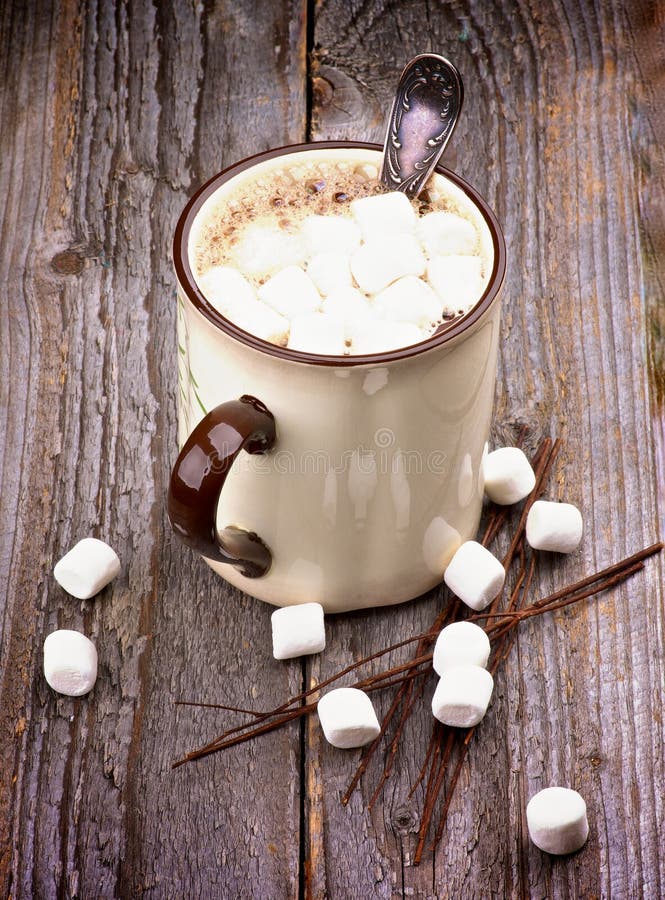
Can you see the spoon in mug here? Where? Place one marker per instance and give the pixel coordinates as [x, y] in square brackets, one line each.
[427, 105]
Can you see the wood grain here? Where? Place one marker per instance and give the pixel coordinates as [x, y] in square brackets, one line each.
[116, 114]
[112, 114]
[554, 95]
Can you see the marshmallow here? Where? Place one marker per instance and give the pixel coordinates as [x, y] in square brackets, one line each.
[224, 287]
[298, 630]
[352, 307]
[408, 300]
[70, 662]
[378, 336]
[382, 260]
[263, 250]
[330, 233]
[318, 333]
[475, 575]
[554, 526]
[347, 717]
[462, 696]
[384, 213]
[457, 280]
[442, 233]
[557, 821]
[290, 292]
[260, 320]
[330, 272]
[460, 643]
[508, 475]
[234, 297]
[87, 568]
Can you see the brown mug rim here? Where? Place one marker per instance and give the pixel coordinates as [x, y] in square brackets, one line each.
[187, 282]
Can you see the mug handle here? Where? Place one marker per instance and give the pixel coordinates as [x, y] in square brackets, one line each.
[198, 478]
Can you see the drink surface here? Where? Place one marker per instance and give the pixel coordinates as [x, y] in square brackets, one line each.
[309, 251]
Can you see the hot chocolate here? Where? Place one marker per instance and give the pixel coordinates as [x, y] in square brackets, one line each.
[312, 253]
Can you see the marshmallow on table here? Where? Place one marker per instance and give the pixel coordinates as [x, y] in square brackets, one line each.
[263, 249]
[443, 233]
[508, 475]
[87, 568]
[462, 695]
[347, 717]
[380, 335]
[384, 213]
[330, 272]
[382, 260]
[70, 662]
[330, 233]
[474, 575]
[460, 643]
[318, 332]
[557, 821]
[408, 299]
[554, 526]
[290, 292]
[298, 630]
[457, 280]
[224, 287]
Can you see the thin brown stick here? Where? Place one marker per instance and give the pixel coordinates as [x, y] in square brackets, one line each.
[428, 809]
[508, 618]
[451, 788]
[283, 718]
[302, 696]
[423, 769]
[238, 709]
[408, 700]
[241, 738]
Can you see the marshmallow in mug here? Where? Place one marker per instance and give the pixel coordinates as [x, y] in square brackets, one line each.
[408, 299]
[379, 334]
[348, 718]
[87, 568]
[557, 820]
[462, 696]
[444, 233]
[232, 295]
[265, 249]
[317, 332]
[390, 213]
[330, 271]
[556, 527]
[291, 292]
[70, 662]
[381, 260]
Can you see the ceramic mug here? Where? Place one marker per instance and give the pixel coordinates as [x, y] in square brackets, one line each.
[346, 480]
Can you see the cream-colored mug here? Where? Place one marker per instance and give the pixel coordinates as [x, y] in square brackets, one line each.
[346, 480]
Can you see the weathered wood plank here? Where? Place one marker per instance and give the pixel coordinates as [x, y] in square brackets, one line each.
[554, 94]
[111, 116]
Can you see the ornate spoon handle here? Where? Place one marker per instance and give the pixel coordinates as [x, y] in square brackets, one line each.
[424, 114]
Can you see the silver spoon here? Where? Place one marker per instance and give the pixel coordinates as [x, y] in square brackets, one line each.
[427, 104]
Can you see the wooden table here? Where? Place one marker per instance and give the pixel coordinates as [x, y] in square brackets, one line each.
[111, 116]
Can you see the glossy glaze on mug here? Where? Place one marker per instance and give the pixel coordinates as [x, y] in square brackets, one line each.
[374, 477]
